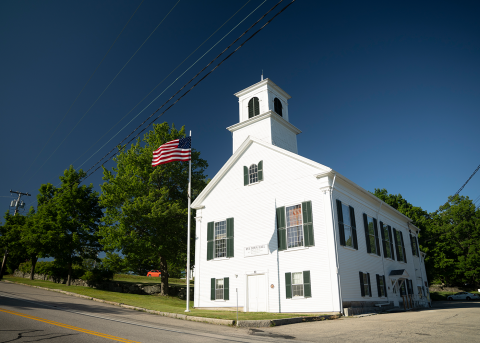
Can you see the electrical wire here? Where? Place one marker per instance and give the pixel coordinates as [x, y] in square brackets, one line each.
[103, 92]
[476, 170]
[85, 85]
[206, 75]
[164, 80]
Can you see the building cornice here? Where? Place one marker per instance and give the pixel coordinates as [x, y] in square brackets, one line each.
[268, 114]
[261, 84]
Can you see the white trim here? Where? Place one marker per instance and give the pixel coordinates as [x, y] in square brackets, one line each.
[265, 115]
[262, 83]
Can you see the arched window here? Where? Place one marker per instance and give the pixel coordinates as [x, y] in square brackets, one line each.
[277, 104]
[253, 173]
[253, 108]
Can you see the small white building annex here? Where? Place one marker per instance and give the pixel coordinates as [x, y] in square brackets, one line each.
[287, 234]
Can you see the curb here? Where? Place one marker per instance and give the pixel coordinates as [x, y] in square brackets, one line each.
[228, 322]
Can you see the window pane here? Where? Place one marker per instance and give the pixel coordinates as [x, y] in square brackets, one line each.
[348, 236]
[373, 244]
[371, 228]
[253, 173]
[297, 290]
[346, 215]
[295, 236]
[219, 283]
[221, 230]
[297, 278]
[294, 215]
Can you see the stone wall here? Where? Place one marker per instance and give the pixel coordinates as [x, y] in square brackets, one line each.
[352, 308]
[114, 286]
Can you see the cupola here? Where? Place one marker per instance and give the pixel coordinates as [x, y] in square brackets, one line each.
[263, 113]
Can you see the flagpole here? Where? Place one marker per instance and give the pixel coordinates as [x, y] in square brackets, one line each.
[188, 230]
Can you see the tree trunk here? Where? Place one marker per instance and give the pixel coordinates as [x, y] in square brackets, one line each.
[34, 263]
[164, 275]
[69, 279]
[4, 264]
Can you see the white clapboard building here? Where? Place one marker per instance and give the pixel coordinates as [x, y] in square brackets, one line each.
[281, 233]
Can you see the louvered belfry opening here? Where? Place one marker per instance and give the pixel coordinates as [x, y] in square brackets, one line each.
[278, 106]
[253, 107]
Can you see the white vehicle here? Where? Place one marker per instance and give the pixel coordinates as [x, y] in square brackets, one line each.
[463, 296]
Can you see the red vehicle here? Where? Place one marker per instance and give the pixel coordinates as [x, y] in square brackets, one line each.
[154, 273]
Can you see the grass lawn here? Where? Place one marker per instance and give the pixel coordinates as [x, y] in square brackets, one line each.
[156, 302]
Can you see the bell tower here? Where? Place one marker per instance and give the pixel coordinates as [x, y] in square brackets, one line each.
[263, 114]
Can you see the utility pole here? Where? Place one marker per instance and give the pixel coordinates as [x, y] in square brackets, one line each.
[17, 204]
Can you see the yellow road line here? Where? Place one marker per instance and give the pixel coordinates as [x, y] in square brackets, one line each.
[66, 326]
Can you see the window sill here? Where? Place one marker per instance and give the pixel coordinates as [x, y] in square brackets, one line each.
[219, 300]
[295, 249]
[253, 184]
[298, 298]
[221, 259]
[348, 247]
[373, 254]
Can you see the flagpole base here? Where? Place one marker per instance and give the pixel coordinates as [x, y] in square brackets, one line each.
[187, 310]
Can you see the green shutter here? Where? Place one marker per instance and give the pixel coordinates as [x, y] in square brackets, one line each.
[256, 106]
[210, 232]
[250, 108]
[367, 236]
[230, 246]
[226, 288]
[392, 249]
[362, 288]
[412, 245]
[354, 227]
[379, 292]
[369, 285]
[384, 243]
[341, 228]
[288, 285]
[403, 247]
[212, 289]
[307, 223]
[396, 242]
[245, 175]
[418, 251]
[281, 231]
[260, 171]
[307, 287]
[377, 242]
[384, 286]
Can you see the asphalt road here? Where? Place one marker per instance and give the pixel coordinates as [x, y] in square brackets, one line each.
[29, 315]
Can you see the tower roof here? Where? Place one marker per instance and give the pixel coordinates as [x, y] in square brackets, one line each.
[262, 83]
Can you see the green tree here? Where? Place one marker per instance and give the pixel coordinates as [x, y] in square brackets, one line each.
[146, 207]
[455, 241]
[73, 212]
[10, 240]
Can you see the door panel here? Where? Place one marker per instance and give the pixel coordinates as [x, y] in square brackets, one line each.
[257, 293]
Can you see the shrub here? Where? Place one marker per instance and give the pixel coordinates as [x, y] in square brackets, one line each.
[52, 268]
[97, 275]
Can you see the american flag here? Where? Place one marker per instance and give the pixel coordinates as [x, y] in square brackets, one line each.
[177, 150]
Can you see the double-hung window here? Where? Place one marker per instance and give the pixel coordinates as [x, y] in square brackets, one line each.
[387, 240]
[371, 235]
[414, 244]
[399, 246]
[219, 289]
[365, 286]
[381, 286]
[297, 285]
[220, 239]
[346, 225]
[295, 226]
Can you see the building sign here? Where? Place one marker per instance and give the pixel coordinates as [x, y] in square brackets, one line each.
[256, 250]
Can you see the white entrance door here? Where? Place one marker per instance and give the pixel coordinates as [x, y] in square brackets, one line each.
[257, 293]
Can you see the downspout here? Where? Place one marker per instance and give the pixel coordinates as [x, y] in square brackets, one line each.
[336, 247]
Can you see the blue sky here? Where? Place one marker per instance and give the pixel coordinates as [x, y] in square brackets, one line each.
[386, 93]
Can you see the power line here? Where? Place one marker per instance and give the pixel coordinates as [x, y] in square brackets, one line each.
[163, 81]
[254, 34]
[170, 84]
[468, 180]
[206, 75]
[98, 98]
[85, 85]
